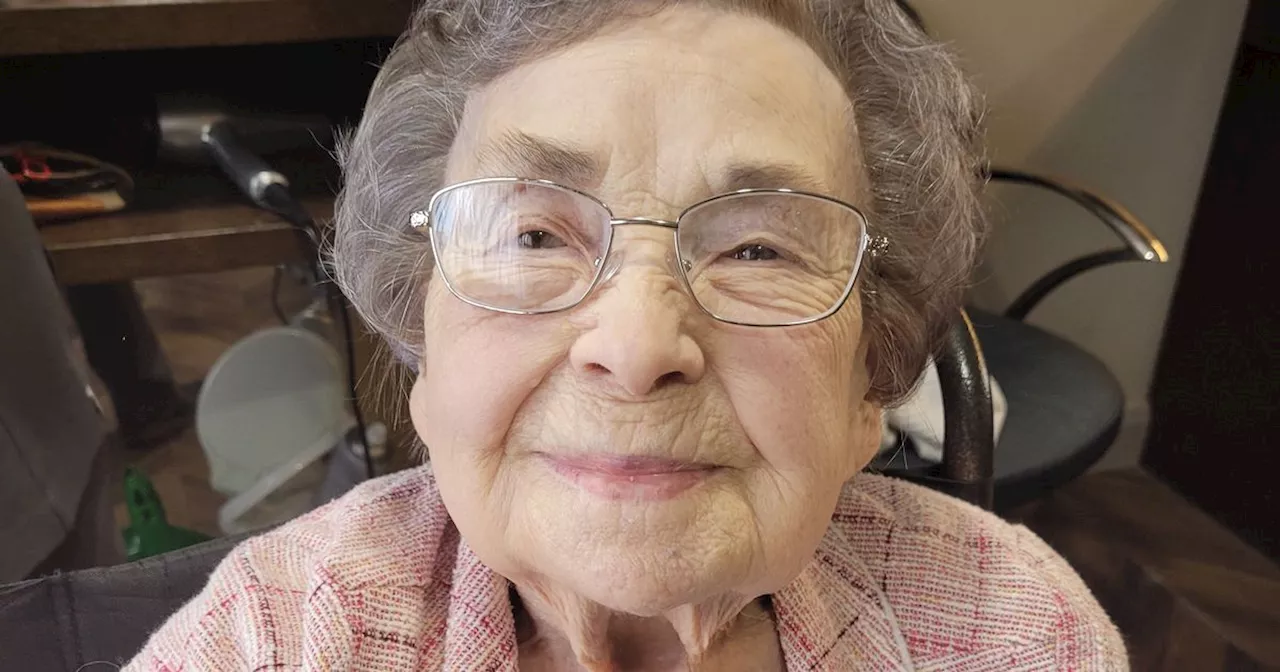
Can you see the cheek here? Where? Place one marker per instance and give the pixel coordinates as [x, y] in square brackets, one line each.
[478, 367]
[799, 394]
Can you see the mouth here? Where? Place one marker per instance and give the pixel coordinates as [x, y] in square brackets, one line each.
[630, 477]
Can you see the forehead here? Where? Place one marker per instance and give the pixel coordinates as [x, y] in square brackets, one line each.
[677, 105]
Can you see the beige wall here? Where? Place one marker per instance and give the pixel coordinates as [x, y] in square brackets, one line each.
[1118, 95]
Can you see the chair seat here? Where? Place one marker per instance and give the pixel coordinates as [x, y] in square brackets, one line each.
[1064, 411]
[1065, 407]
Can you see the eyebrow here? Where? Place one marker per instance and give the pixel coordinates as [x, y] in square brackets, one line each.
[769, 176]
[542, 158]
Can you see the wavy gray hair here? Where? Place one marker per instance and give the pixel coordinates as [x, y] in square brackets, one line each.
[918, 121]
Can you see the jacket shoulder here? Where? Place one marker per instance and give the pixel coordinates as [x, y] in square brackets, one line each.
[968, 588]
[368, 562]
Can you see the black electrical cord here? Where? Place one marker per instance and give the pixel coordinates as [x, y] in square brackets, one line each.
[275, 295]
[280, 201]
[348, 336]
[268, 189]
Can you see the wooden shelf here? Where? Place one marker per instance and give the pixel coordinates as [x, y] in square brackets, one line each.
[32, 27]
[199, 239]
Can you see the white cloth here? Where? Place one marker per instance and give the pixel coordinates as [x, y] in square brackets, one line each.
[921, 418]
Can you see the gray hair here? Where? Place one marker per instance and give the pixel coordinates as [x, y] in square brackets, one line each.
[919, 130]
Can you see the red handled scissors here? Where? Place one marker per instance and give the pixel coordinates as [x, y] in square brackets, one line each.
[31, 168]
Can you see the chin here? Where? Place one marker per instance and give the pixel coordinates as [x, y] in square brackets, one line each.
[646, 587]
[673, 555]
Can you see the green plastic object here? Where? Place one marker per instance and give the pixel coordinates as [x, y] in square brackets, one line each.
[149, 532]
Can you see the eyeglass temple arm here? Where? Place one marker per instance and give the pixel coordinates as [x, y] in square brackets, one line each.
[1140, 244]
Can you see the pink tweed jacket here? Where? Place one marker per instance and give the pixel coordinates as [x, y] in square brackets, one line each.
[905, 579]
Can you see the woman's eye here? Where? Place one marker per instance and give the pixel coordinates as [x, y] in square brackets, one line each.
[754, 252]
[539, 240]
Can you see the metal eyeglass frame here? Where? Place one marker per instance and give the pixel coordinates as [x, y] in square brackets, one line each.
[421, 219]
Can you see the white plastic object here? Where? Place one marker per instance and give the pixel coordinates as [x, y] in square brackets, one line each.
[922, 418]
[272, 405]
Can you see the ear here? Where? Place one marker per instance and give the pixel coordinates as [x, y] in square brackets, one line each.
[868, 429]
[418, 413]
[868, 417]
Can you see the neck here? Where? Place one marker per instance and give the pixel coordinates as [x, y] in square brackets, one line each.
[564, 629]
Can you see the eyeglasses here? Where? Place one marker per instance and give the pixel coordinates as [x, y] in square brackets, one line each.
[755, 257]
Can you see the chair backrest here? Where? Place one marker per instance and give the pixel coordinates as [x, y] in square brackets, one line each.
[969, 447]
[67, 621]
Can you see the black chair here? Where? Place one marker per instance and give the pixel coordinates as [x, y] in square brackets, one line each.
[1064, 406]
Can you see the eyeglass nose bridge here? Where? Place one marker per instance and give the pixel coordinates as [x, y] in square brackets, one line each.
[614, 258]
[646, 221]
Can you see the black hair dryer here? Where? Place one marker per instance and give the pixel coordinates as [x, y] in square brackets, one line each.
[202, 129]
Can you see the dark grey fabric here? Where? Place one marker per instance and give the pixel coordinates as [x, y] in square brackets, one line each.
[94, 539]
[66, 621]
[50, 429]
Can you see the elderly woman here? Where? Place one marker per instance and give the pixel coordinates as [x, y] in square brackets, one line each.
[659, 266]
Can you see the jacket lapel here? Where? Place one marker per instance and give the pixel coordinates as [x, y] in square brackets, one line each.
[830, 618]
[480, 633]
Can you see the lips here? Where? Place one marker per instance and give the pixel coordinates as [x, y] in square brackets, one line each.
[629, 476]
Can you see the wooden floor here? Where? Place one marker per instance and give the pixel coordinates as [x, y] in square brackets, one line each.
[1187, 594]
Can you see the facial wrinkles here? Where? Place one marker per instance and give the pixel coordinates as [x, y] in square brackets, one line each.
[640, 118]
[677, 421]
[666, 121]
[750, 364]
[523, 343]
[686, 425]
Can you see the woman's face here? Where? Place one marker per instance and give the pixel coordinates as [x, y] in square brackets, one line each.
[633, 449]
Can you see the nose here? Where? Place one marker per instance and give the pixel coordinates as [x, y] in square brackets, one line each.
[639, 341]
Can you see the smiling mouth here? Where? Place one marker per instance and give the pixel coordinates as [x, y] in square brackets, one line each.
[630, 477]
